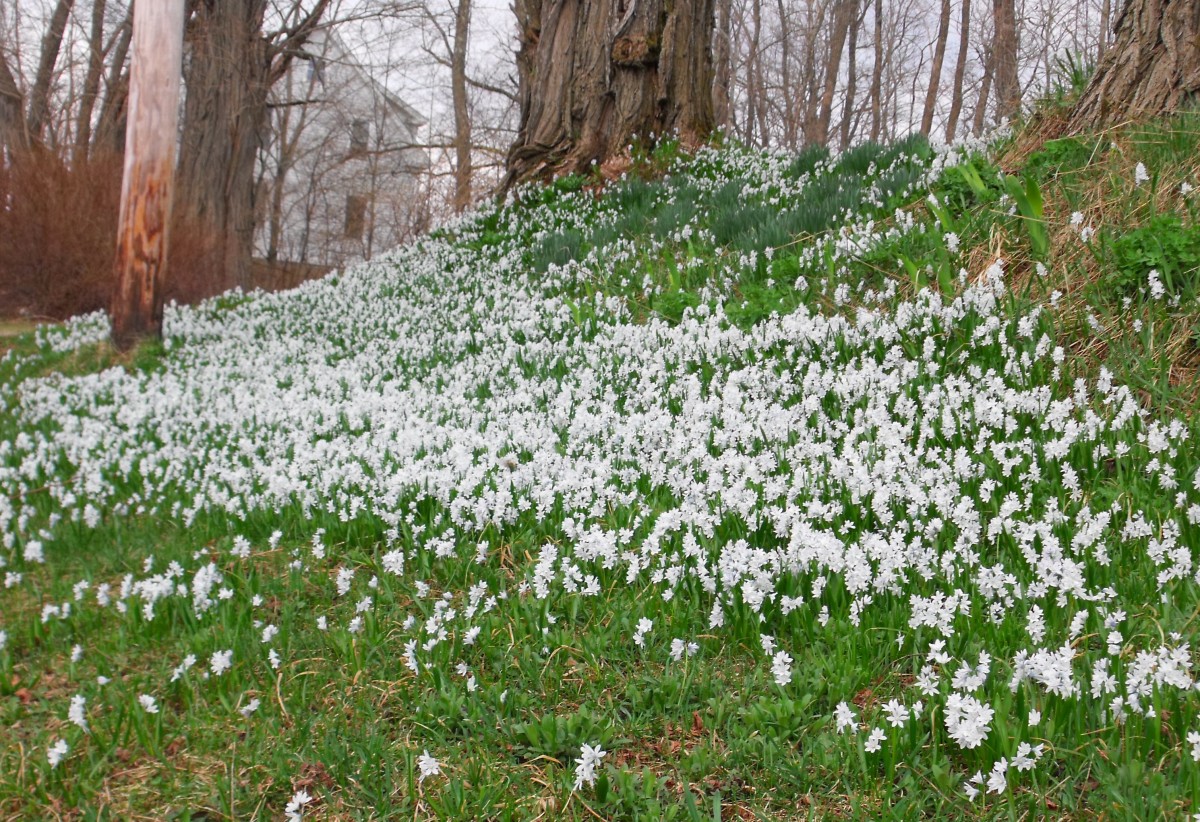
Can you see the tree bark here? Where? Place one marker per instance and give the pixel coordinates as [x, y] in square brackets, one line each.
[39, 96]
[595, 74]
[232, 67]
[146, 191]
[935, 71]
[1152, 67]
[1004, 59]
[91, 83]
[224, 112]
[110, 125]
[877, 75]
[722, 49]
[985, 90]
[462, 117]
[837, 42]
[960, 69]
[1105, 21]
[851, 75]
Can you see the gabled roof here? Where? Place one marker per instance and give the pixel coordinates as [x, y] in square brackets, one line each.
[326, 45]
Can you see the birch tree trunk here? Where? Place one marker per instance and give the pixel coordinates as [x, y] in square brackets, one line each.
[1151, 68]
[594, 74]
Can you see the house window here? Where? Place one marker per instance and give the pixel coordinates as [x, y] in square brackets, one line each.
[360, 133]
[356, 216]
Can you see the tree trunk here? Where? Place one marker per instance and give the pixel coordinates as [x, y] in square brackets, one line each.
[985, 90]
[1004, 60]
[837, 42]
[39, 97]
[596, 73]
[462, 117]
[223, 118]
[877, 75]
[722, 49]
[960, 69]
[935, 71]
[146, 192]
[1105, 21]
[851, 76]
[1152, 67]
[91, 83]
[110, 125]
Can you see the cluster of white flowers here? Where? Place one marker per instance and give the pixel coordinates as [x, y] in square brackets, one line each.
[918, 455]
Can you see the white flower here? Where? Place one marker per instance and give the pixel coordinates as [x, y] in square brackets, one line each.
[1140, 175]
[77, 714]
[295, 808]
[250, 707]
[221, 662]
[1193, 739]
[681, 649]
[967, 720]
[781, 668]
[57, 752]
[897, 713]
[149, 704]
[844, 717]
[874, 740]
[585, 769]
[428, 766]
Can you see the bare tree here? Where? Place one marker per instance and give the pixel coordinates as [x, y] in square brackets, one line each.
[39, 98]
[935, 71]
[960, 70]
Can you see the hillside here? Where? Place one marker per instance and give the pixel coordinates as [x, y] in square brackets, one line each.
[729, 486]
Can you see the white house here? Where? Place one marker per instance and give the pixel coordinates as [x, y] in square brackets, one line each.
[340, 172]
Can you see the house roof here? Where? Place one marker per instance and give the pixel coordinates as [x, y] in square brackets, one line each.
[326, 45]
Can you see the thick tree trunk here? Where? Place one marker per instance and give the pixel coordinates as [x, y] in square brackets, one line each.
[596, 73]
[935, 71]
[223, 118]
[1152, 67]
[960, 69]
[462, 116]
[1004, 59]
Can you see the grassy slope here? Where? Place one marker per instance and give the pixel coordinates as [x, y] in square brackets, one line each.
[344, 717]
